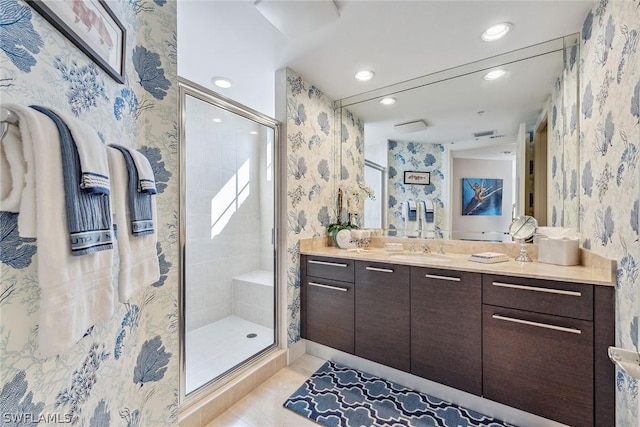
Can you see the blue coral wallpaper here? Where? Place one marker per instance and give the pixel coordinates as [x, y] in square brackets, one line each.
[564, 146]
[609, 182]
[313, 174]
[410, 156]
[124, 370]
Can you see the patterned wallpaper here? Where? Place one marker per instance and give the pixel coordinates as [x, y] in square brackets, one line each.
[563, 146]
[313, 160]
[410, 156]
[351, 156]
[609, 181]
[124, 371]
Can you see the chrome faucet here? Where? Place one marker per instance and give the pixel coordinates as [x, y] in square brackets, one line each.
[440, 249]
[425, 248]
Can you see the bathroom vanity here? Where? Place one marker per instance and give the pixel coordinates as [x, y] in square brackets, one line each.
[532, 336]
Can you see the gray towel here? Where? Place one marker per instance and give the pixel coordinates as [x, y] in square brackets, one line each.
[88, 213]
[140, 203]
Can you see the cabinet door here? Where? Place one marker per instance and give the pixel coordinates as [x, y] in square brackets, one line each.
[382, 313]
[328, 307]
[539, 363]
[446, 327]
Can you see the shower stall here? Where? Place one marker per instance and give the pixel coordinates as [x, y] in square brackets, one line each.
[227, 233]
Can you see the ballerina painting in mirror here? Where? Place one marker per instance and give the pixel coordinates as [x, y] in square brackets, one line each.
[481, 196]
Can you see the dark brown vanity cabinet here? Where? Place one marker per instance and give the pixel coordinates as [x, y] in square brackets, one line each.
[328, 301]
[446, 327]
[536, 345]
[543, 352]
[382, 313]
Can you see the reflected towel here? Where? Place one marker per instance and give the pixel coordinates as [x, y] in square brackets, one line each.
[411, 227]
[138, 255]
[428, 211]
[12, 169]
[140, 202]
[92, 154]
[412, 210]
[88, 212]
[75, 292]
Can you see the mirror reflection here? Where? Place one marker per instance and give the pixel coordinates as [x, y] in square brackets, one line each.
[459, 155]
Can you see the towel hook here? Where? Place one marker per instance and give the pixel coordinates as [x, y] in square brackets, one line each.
[7, 117]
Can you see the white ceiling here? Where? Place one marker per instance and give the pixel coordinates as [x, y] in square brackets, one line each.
[399, 40]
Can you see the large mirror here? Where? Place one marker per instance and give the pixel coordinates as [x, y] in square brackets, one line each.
[484, 150]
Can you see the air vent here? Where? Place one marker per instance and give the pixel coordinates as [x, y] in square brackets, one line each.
[485, 133]
[408, 127]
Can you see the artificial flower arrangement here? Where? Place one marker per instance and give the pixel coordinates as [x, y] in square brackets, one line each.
[354, 197]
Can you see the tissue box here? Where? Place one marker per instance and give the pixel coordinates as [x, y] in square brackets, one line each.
[558, 251]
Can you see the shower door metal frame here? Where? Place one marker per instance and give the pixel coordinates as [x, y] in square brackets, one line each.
[186, 87]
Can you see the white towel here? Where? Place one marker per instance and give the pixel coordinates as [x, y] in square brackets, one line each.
[427, 214]
[12, 170]
[76, 292]
[412, 211]
[27, 227]
[92, 153]
[146, 178]
[138, 254]
[411, 228]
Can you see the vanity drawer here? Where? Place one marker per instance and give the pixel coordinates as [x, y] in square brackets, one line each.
[539, 363]
[328, 313]
[331, 268]
[540, 296]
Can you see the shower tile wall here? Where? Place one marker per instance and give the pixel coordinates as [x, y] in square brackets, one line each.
[218, 159]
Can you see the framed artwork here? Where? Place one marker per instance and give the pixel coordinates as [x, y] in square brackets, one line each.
[482, 196]
[414, 177]
[92, 27]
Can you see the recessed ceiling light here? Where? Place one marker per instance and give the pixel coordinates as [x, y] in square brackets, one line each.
[253, 132]
[364, 75]
[497, 31]
[217, 120]
[222, 82]
[388, 101]
[494, 74]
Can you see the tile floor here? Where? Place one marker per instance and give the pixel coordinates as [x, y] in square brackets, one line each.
[263, 407]
[217, 347]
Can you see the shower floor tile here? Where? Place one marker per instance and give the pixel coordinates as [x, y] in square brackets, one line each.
[213, 349]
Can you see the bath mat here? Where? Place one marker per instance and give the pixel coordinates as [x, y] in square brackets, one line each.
[336, 395]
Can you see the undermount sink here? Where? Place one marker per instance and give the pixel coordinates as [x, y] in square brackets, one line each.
[419, 257]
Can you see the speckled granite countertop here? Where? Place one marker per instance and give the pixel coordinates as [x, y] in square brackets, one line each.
[594, 269]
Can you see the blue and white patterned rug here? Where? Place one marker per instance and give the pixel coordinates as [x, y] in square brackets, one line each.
[336, 395]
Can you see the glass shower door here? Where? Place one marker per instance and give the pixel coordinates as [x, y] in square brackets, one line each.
[227, 216]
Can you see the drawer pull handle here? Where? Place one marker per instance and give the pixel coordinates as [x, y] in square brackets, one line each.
[435, 276]
[381, 270]
[332, 264]
[333, 288]
[537, 289]
[538, 324]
